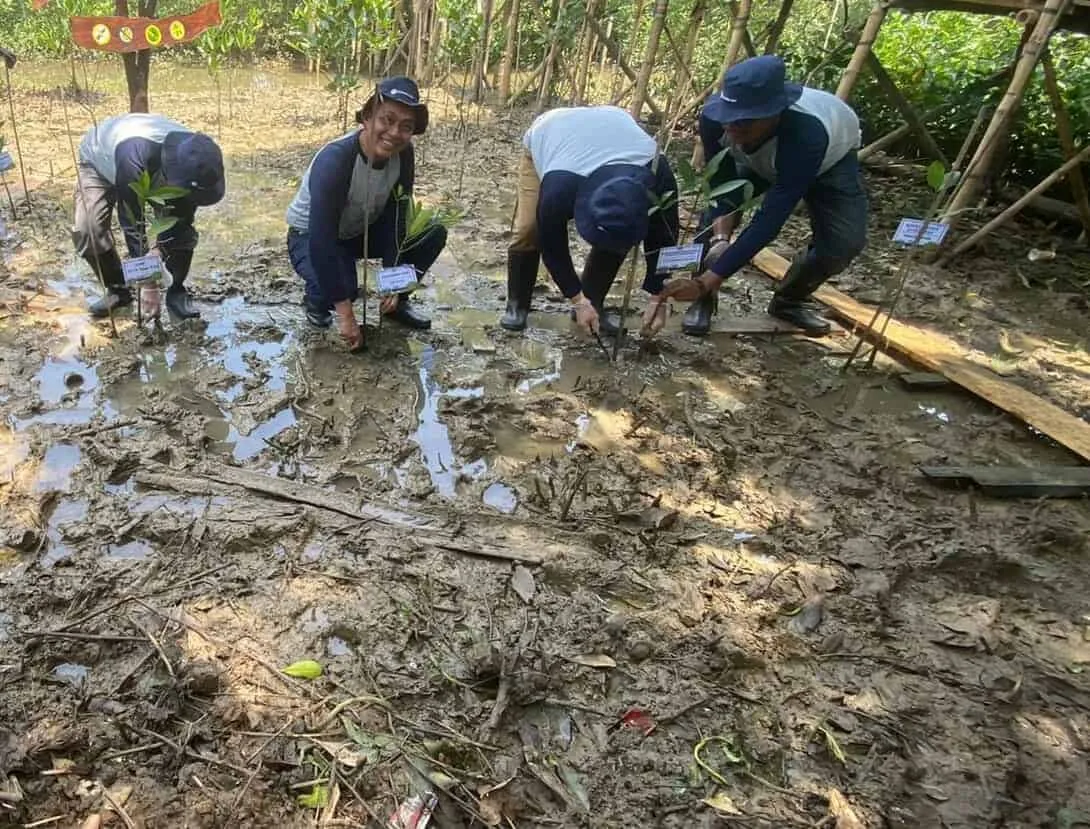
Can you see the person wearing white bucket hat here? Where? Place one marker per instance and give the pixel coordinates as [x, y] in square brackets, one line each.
[797, 144]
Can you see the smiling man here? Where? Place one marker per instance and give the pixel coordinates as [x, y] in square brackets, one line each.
[798, 144]
[355, 191]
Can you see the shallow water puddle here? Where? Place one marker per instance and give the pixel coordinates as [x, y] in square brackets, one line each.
[66, 387]
[71, 673]
[65, 513]
[132, 551]
[502, 497]
[55, 473]
[432, 436]
[251, 445]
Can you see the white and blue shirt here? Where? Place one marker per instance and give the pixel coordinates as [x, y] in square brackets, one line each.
[816, 132]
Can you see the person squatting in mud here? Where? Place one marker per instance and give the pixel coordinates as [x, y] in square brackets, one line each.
[798, 144]
[597, 166]
[352, 204]
[113, 155]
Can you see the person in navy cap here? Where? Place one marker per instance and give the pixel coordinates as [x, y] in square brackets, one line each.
[597, 166]
[358, 187]
[796, 143]
[113, 155]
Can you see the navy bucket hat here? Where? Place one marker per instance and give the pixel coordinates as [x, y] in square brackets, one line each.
[611, 206]
[400, 90]
[194, 161]
[754, 88]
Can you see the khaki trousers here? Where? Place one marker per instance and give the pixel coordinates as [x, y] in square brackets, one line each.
[524, 235]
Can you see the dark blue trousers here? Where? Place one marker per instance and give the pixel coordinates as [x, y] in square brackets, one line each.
[381, 243]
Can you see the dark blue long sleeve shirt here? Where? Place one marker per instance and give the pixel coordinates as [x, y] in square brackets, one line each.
[556, 208]
[330, 192]
[133, 157]
[802, 142]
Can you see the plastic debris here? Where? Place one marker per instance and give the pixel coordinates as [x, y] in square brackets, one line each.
[414, 813]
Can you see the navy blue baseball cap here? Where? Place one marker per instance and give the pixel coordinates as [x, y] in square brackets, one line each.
[754, 88]
[611, 206]
[400, 90]
[194, 161]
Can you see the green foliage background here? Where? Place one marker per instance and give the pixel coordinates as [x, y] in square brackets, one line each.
[936, 58]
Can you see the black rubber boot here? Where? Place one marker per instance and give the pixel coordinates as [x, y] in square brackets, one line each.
[179, 302]
[107, 266]
[408, 316]
[521, 276]
[599, 272]
[318, 314]
[790, 302]
[697, 321]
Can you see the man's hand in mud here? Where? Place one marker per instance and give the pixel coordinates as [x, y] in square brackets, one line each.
[586, 315]
[689, 290]
[654, 317]
[347, 325]
[388, 304]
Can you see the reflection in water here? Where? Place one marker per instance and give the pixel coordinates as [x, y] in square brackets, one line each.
[133, 551]
[251, 445]
[55, 474]
[67, 386]
[502, 497]
[432, 436]
[71, 673]
[64, 514]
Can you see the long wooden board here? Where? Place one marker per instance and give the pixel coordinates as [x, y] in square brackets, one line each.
[937, 352]
[1017, 481]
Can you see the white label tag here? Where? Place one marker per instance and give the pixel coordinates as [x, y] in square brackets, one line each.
[142, 268]
[396, 280]
[682, 257]
[909, 229]
[6, 162]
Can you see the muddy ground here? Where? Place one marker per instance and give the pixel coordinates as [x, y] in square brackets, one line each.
[739, 603]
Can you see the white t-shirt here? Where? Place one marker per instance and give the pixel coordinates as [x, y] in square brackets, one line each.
[99, 145]
[581, 139]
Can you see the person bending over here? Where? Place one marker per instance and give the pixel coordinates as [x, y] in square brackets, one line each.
[597, 166]
[113, 155]
[794, 144]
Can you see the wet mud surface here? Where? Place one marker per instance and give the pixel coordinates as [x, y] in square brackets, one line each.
[703, 586]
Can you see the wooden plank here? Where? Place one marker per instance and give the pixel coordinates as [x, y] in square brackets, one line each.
[923, 380]
[937, 352]
[217, 477]
[1018, 481]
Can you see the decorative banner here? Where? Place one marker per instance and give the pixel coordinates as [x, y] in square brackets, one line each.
[133, 34]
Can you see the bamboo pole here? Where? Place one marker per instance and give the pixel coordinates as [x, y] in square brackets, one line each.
[527, 82]
[914, 121]
[1067, 140]
[481, 61]
[657, 22]
[510, 48]
[887, 140]
[618, 58]
[862, 49]
[586, 55]
[971, 185]
[1004, 217]
[740, 16]
[777, 27]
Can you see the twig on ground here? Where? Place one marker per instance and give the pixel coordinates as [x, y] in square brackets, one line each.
[158, 647]
[88, 637]
[119, 810]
